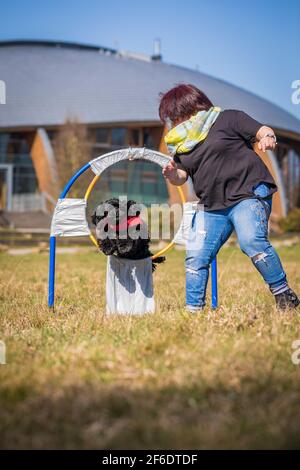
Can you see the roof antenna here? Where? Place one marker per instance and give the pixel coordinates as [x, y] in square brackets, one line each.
[157, 50]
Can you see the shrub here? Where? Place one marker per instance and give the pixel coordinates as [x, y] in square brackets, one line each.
[291, 223]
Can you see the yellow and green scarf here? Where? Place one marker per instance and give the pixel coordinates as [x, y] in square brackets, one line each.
[185, 136]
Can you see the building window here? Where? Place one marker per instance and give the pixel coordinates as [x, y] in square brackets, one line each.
[289, 163]
[4, 141]
[291, 171]
[139, 180]
[134, 139]
[102, 135]
[24, 180]
[108, 138]
[118, 136]
[148, 140]
[14, 150]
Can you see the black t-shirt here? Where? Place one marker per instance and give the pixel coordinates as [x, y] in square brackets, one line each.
[224, 167]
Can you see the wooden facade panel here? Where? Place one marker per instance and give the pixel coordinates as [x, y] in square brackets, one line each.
[44, 165]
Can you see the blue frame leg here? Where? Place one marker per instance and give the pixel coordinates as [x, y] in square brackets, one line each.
[214, 283]
[51, 285]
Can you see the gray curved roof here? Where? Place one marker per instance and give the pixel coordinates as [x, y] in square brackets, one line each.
[47, 82]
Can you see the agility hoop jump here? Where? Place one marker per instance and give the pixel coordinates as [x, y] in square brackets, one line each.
[69, 217]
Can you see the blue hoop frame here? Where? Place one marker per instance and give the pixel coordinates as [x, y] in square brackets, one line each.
[52, 253]
[52, 240]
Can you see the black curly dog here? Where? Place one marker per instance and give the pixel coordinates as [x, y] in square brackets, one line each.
[112, 216]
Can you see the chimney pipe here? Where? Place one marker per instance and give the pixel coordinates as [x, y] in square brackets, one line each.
[157, 50]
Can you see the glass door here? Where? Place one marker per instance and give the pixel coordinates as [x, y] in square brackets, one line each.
[6, 183]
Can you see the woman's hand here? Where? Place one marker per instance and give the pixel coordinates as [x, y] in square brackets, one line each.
[267, 143]
[266, 138]
[175, 175]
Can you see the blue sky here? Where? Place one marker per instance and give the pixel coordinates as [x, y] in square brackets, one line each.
[253, 44]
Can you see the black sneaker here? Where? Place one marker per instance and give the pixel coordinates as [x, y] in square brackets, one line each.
[287, 299]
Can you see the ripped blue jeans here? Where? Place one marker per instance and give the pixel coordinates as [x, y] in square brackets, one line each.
[210, 230]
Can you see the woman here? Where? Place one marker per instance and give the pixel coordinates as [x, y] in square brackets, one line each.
[232, 183]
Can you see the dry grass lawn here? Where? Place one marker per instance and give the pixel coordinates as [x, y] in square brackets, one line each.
[79, 379]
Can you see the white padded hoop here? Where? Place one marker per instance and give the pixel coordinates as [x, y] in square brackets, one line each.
[99, 164]
[69, 219]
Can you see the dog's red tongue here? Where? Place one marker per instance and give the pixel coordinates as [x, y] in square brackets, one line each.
[131, 220]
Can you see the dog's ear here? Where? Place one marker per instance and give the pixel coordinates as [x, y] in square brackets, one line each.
[94, 218]
[130, 203]
[108, 246]
[133, 203]
[114, 201]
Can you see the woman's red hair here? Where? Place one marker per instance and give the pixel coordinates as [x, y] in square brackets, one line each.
[182, 102]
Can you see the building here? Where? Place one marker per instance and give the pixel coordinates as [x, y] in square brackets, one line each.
[116, 94]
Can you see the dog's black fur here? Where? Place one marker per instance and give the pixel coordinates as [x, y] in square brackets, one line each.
[123, 247]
